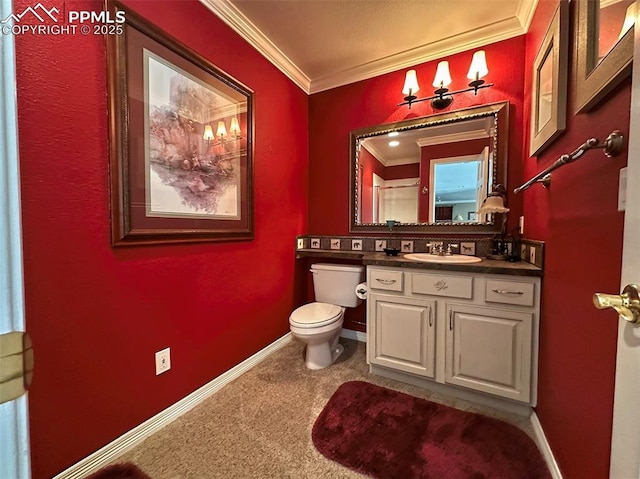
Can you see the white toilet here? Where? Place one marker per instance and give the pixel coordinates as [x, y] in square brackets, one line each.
[319, 324]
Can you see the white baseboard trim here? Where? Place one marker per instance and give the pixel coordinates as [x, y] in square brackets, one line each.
[351, 334]
[128, 440]
[544, 447]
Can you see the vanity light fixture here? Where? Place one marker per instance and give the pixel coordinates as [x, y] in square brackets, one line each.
[442, 97]
[221, 132]
[494, 203]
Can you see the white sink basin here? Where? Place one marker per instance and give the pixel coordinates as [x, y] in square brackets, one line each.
[434, 258]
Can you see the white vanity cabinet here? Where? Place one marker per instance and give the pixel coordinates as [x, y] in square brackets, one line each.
[405, 334]
[469, 330]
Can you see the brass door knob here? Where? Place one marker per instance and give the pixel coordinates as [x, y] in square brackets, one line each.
[626, 304]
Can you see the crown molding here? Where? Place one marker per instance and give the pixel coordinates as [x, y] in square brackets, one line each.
[480, 37]
[378, 155]
[452, 138]
[401, 162]
[230, 15]
[524, 13]
[492, 33]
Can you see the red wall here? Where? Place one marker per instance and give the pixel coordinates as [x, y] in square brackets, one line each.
[374, 102]
[96, 314]
[370, 165]
[578, 219]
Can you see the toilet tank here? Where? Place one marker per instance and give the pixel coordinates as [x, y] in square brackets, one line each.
[336, 283]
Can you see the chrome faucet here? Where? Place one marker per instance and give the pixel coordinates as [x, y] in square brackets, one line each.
[436, 248]
[439, 249]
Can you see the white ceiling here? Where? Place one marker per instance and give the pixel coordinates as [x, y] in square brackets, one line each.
[322, 44]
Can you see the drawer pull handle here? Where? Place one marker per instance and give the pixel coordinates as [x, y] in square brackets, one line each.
[385, 281]
[504, 291]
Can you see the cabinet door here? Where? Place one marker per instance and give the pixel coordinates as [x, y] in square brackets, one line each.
[402, 334]
[489, 350]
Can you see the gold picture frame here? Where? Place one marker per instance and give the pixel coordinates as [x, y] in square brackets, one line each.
[549, 98]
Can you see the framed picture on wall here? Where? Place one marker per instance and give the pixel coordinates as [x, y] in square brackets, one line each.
[604, 48]
[181, 138]
[549, 96]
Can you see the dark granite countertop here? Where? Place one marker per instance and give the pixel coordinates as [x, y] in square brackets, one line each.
[487, 266]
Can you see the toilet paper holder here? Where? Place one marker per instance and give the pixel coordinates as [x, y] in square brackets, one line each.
[362, 291]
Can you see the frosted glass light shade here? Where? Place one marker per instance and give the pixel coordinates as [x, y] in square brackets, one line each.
[222, 130]
[443, 77]
[234, 129]
[478, 67]
[208, 133]
[410, 83]
[493, 204]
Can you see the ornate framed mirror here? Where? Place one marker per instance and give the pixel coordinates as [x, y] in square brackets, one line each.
[430, 174]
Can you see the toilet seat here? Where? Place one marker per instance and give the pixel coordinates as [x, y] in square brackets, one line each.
[315, 315]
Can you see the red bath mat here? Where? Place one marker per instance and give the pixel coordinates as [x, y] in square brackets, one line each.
[389, 435]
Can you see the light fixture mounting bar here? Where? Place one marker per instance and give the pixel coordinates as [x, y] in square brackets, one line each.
[444, 94]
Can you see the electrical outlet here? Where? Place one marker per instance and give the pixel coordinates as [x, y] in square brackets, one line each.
[163, 361]
[532, 255]
[521, 225]
[622, 189]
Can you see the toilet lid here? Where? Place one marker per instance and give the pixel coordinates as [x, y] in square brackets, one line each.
[315, 315]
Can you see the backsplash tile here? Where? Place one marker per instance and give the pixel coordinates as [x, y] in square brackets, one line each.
[466, 245]
[380, 245]
[406, 246]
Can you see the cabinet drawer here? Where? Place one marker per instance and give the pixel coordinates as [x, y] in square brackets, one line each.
[509, 292]
[385, 280]
[442, 285]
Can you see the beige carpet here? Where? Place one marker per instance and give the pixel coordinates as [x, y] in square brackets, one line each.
[259, 426]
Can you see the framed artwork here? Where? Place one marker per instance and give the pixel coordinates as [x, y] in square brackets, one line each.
[549, 96]
[181, 141]
[604, 48]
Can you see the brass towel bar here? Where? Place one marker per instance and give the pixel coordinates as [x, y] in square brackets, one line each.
[612, 147]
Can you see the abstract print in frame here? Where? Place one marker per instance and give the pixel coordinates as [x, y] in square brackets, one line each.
[181, 136]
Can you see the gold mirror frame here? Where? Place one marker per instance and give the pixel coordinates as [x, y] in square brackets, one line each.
[499, 110]
[594, 80]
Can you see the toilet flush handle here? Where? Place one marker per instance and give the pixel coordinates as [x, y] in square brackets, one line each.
[313, 271]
